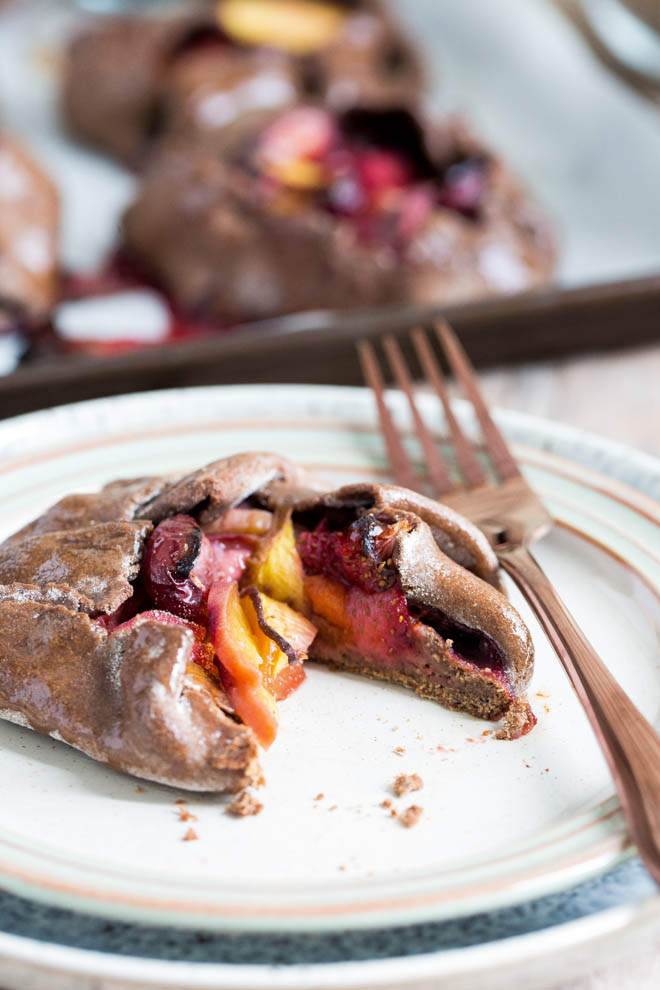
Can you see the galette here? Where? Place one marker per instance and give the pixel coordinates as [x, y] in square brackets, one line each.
[374, 206]
[157, 624]
[208, 70]
[29, 222]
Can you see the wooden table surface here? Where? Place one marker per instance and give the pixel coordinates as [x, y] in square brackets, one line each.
[616, 395]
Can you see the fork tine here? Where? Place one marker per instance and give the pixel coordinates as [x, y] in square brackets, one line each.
[435, 462]
[459, 362]
[467, 459]
[402, 468]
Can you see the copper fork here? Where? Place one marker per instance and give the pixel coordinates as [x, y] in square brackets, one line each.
[512, 516]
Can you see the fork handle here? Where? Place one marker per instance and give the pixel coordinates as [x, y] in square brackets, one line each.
[629, 743]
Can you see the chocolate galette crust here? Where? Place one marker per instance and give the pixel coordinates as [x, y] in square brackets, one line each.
[131, 698]
[127, 699]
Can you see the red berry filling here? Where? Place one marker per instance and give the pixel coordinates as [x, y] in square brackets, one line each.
[371, 168]
[374, 610]
[253, 643]
[340, 555]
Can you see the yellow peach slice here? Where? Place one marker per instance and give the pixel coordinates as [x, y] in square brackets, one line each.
[237, 651]
[297, 26]
[276, 568]
[273, 659]
[244, 522]
[300, 174]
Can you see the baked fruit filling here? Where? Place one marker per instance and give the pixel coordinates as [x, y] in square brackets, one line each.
[256, 588]
[351, 584]
[230, 582]
[370, 167]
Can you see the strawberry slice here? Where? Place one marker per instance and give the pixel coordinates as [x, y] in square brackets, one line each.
[339, 554]
[380, 622]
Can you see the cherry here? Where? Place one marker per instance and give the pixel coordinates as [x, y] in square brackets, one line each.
[178, 567]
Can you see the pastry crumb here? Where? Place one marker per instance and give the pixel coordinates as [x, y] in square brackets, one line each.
[411, 815]
[333, 807]
[517, 722]
[190, 835]
[406, 782]
[139, 790]
[245, 804]
[386, 803]
[400, 751]
[186, 816]
[181, 801]
[319, 797]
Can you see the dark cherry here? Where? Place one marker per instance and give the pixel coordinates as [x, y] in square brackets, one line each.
[463, 186]
[178, 568]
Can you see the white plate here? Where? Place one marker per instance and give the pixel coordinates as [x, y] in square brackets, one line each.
[503, 822]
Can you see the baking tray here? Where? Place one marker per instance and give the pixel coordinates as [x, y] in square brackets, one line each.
[320, 348]
[588, 146]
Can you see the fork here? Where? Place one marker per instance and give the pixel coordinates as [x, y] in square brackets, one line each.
[512, 516]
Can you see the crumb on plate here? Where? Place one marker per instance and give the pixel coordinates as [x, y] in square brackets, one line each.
[411, 815]
[245, 804]
[407, 782]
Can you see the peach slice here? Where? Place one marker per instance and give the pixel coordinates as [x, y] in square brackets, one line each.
[327, 599]
[273, 658]
[288, 680]
[237, 651]
[283, 637]
[290, 625]
[243, 522]
[297, 26]
[276, 568]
